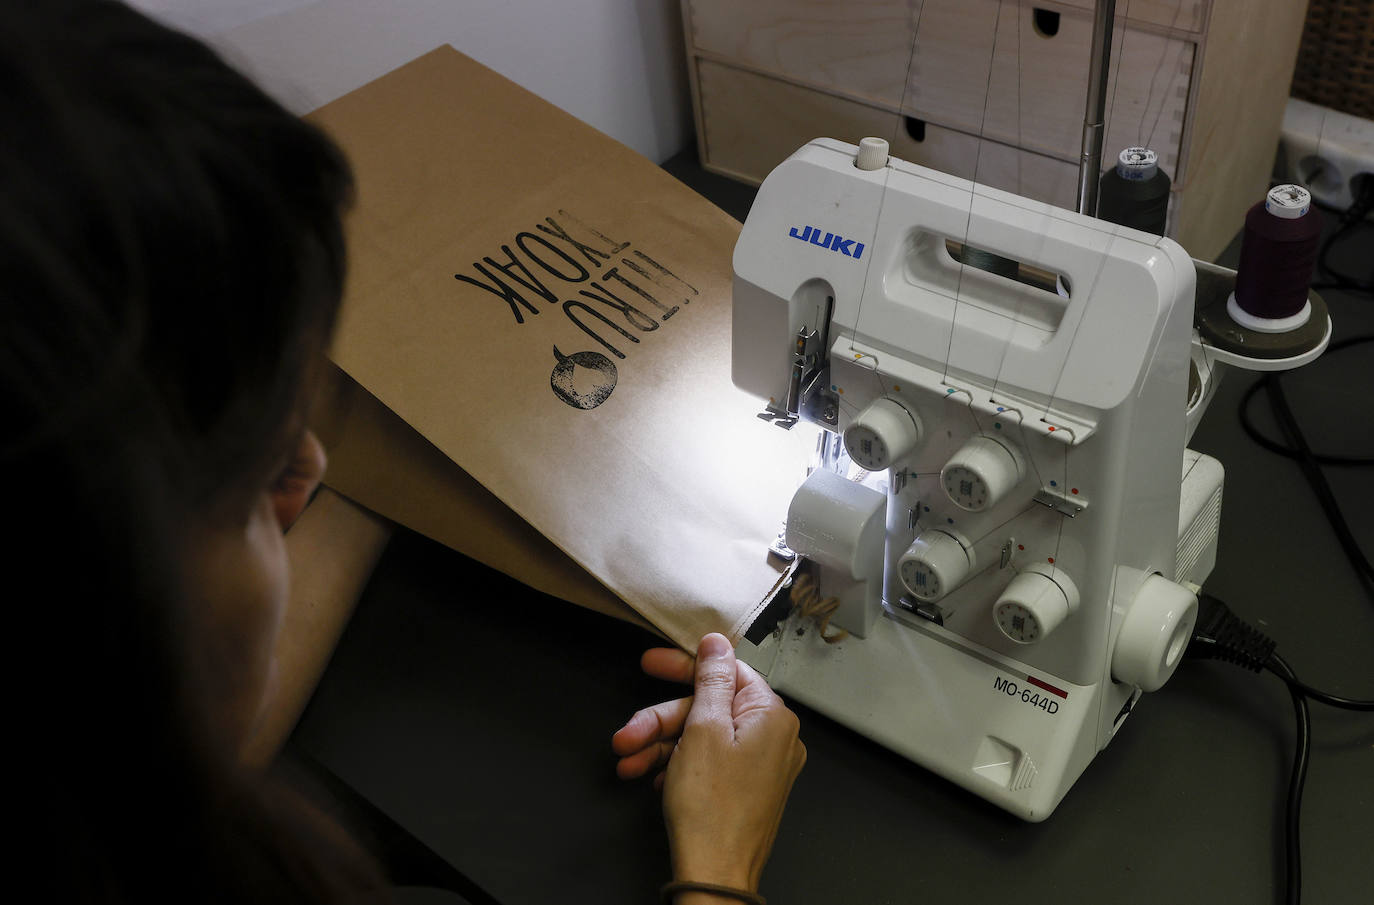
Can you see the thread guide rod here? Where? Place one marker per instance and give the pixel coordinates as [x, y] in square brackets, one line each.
[1094, 127]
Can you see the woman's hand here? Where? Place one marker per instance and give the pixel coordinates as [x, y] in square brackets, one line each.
[729, 754]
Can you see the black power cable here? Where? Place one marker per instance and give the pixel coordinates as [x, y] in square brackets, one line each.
[1293, 812]
[1350, 218]
[1221, 635]
[1320, 697]
[1312, 471]
[1310, 463]
[1288, 451]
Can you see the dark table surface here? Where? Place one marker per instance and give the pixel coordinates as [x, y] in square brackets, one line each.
[478, 714]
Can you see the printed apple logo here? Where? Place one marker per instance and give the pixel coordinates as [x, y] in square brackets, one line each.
[583, 380]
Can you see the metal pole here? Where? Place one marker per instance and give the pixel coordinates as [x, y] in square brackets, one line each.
[1094, 127]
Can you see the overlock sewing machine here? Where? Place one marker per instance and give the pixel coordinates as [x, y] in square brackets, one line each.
[1002, 502]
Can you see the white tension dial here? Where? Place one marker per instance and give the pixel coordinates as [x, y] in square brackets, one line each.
[1035, 603]
[882, 434]
[980, 474]
[935, 564]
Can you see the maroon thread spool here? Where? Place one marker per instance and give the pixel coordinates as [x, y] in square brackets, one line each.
[1277, 254]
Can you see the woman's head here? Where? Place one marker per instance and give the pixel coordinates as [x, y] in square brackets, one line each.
[171, 261]
[164, 223]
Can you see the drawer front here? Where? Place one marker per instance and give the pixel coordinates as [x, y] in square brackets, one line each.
[1032, 94]
[858, 49]
[1181, 15]
[991, 163]
[751, 123]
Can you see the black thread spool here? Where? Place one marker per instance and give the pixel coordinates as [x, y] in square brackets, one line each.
[1277, 254]
[1135, 192]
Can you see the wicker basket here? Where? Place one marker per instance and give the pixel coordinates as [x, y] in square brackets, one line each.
[1336, 60]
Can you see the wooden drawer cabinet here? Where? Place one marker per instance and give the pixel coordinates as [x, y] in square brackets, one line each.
[1003, 83]
[986, 67]
[856, 49]
[738, 146]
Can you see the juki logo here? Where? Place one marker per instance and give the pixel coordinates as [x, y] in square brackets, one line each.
[847, 247]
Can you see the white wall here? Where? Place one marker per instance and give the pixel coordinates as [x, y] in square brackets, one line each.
[616, 64]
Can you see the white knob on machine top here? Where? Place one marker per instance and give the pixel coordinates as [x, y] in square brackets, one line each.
[980, 474]
[1035, 603]
[882, 434]
[872, 154]
[935, 564]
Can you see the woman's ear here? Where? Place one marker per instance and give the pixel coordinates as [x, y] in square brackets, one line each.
[292, 489]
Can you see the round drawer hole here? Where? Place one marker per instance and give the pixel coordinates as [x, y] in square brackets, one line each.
[1046, 22]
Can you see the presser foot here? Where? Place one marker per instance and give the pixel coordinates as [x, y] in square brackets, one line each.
[778, 416]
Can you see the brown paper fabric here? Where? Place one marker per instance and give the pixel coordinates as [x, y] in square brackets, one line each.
[552, 312]
[382, 463]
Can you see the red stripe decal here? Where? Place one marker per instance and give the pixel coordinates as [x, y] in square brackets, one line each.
[1048, 687]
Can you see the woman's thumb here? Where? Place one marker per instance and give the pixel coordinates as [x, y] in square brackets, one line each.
[715, 680]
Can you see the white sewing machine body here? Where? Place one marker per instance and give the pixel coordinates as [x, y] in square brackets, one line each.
[1029, 445]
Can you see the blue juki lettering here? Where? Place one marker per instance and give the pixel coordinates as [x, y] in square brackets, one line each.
[813, 235]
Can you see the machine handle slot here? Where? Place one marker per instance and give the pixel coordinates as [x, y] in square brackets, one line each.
[991, 262]
[934, 265]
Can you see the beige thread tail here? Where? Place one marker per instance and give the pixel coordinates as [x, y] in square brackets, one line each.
[807, 602]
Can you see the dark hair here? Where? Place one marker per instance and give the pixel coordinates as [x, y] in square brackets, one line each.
[171, 262]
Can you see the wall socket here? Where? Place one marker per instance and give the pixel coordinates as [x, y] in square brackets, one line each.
[1325, 150]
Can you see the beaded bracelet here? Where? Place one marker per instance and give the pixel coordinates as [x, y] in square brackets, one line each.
[672, 889]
